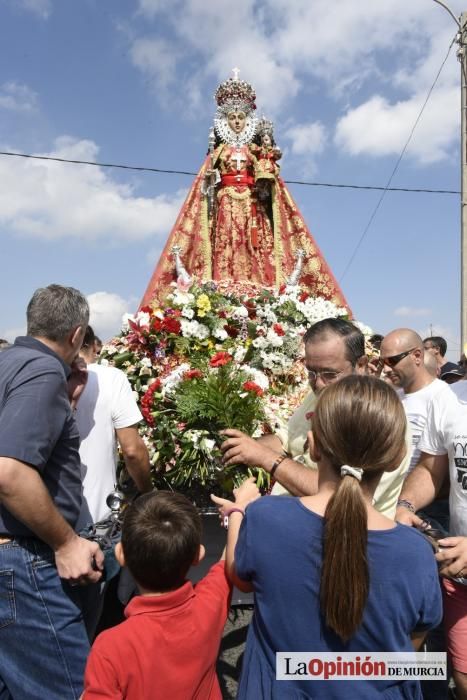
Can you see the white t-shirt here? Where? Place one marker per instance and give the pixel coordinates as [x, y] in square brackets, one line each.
[106, 404]
[446, 433]
[416, 406]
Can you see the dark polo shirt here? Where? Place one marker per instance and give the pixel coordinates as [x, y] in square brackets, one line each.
[37, 425]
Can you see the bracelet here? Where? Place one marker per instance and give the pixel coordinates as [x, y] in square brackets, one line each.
[406, 504]
[278, 461]
[228, 513]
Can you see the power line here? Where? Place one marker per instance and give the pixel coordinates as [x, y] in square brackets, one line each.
[387, 188]
[187, 172]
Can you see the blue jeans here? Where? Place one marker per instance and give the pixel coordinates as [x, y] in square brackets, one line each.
[43, 641]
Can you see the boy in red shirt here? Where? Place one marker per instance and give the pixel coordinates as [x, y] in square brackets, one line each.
[168, 646]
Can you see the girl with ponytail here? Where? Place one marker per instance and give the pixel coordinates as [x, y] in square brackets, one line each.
[329, 572]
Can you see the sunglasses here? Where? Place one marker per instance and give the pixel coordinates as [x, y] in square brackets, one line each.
[395, 359]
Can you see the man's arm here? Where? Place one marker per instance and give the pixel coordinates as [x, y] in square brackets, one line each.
[422, 485]
[136, 457]
[239, 448]
[24, 494]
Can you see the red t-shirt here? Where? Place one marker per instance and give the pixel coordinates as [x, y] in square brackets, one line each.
[166, 649]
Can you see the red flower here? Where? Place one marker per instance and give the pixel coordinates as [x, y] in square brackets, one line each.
[156, 325]
[278, 330]
[222, 314]
[282, 288]
[171, 325]
[303, 296]
[220, 358]
[252, 386]
[146, 401]
[146, 309]
[193, 374]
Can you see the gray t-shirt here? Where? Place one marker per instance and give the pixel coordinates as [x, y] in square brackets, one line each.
[37, 426]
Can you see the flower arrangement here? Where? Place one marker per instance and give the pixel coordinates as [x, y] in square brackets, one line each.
[216, 356]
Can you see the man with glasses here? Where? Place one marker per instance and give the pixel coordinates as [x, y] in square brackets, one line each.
[334, 348]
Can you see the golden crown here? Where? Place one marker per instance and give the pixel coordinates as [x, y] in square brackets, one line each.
[235, 93]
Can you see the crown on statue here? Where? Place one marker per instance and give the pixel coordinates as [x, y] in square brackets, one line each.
[265, 126]
[235, 94]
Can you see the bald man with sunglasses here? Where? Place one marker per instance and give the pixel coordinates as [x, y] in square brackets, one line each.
[402, 355]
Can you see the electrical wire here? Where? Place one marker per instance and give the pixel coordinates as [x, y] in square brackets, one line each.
[188, 172]
[387, 188]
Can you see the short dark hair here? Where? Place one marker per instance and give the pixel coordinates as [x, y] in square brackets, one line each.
[353, 337]
[437, 342]
[54, 311]
[161, 535]
[89, 337]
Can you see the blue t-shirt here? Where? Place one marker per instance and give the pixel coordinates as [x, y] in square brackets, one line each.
[37, 426]
[280, 550]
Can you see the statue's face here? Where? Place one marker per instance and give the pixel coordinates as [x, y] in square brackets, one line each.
[236, 121]
[266, 140]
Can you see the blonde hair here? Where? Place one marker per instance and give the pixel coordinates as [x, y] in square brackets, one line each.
[359, 421]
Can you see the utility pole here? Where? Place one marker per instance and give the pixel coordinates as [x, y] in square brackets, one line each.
[461, 54]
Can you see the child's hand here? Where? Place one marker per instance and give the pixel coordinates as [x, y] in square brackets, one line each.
[246, 492]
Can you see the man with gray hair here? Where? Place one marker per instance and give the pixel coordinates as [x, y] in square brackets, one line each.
[41, 556]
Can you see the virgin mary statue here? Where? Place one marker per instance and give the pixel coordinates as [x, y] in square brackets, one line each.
[239, 222]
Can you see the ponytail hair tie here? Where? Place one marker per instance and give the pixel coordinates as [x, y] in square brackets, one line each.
[351, 471]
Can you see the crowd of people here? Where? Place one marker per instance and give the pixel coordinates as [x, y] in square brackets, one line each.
[360, 547]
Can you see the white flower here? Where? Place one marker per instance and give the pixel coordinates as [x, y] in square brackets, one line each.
[366, 330]
[146, 362]
[257, 376]
[181, 298]
[145, 371]
[125, 319]
[239, 354]
[194, 329]
[174, 378]
[104, 363]
[187, 312]
[260, 343]
[110, 350]
[220, 333]
[143, 318]
[207, 445]
[239, 312]
[277, 341]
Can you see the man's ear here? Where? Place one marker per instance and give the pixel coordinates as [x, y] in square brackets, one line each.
[315, 454]
[76, 337]
[362, 365]
[119, 556]
[200, 556]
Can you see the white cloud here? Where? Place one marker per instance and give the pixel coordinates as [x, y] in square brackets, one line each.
[50, 200]
[156, 59]
[411, 311]
[107, 310]
[17, 97]
[378, 128]
[41, 8]
[307, 138]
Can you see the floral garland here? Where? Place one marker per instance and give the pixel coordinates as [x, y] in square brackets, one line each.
[216, 356]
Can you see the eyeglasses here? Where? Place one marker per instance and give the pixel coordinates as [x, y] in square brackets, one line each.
[395, 359]
[327, 375]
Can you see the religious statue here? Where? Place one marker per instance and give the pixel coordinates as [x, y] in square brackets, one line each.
[239, 221]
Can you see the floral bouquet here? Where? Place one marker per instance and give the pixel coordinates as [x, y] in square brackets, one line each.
[217, 356]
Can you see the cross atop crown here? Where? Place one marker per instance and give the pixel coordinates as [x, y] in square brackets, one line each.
[235, 72]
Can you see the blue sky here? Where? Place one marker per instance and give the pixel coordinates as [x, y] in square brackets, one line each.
[132, 82]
